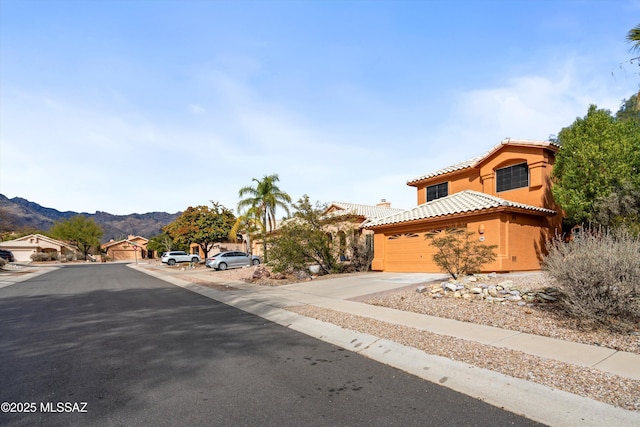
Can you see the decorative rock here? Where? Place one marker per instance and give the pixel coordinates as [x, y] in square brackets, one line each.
[546, 297]
[451, 286]
[261, 273]
[514, 298]
[302, 275]
[457, 294]
[476, 290]
[472, 279]
[506, 283]
[466, 296]
[459, 287]
[421, 289]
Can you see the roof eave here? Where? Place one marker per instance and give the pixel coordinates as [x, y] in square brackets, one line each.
[466, 214]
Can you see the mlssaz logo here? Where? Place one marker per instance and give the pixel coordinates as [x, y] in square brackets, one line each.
[67, 407]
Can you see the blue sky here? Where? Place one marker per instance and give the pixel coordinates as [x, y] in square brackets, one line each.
[146, 105]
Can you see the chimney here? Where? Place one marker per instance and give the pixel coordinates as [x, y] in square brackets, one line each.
[384, 204]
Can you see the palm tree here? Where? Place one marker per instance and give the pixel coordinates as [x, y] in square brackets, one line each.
[248, 224]
[633, 36]
[261, 201]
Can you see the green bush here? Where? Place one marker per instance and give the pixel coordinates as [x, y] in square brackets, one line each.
[459, 252]
[598, 275]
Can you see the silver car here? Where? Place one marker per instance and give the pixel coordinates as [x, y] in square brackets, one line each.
[231, 259]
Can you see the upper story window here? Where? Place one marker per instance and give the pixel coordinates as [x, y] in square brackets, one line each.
[437, 191]
[516, 176]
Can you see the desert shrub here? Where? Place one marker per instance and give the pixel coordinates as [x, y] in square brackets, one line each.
[44, 256]
[459, 252]
[361, 254]
[598, 275]
[40, 256]
[302, 240]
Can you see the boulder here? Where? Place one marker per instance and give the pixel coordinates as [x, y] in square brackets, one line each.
[261, 273]
[302, 275]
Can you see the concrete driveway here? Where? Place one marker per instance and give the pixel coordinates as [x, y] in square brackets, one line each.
[356, 285]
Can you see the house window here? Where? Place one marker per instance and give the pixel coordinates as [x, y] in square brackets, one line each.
[516, 176]
[437, 191]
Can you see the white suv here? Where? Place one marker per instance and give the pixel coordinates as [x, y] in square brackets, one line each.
[179, 256]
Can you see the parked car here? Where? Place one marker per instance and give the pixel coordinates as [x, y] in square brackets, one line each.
[179, 256]
[7, 255]
[231, 259]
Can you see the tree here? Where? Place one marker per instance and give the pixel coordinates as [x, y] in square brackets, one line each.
[202, 225]
[630, 108]
[161, 243]
[633, 37]
[248, 224]
[261, 201]
[621, 208]
[80, 231]
[459, 252]
[598, 154]
[302, 240]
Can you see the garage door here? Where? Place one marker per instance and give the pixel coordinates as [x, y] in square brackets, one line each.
[409, 252]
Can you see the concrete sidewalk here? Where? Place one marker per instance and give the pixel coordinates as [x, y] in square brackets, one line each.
[537, 402]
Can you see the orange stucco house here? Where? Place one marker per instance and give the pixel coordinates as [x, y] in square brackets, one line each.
[504, 196]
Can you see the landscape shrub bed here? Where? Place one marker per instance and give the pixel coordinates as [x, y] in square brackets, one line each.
[598, 275]
[44, 256]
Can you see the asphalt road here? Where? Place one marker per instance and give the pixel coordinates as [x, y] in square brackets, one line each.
[107, 345]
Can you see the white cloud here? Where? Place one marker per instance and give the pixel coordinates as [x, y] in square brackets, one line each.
[196, 109]
[69, 155]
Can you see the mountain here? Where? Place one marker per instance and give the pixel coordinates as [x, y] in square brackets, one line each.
[18, 213]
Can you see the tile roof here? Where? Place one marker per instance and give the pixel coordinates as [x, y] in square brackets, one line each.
[369, 212]
[476, 160]
[464, 201]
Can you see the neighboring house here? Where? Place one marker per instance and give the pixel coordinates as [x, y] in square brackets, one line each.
[26, 246]
[351, 218]
[344, 224]
[504, 196]
[130, 249]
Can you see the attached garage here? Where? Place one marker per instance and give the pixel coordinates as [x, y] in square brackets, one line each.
[518, 231]
[408, 252]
